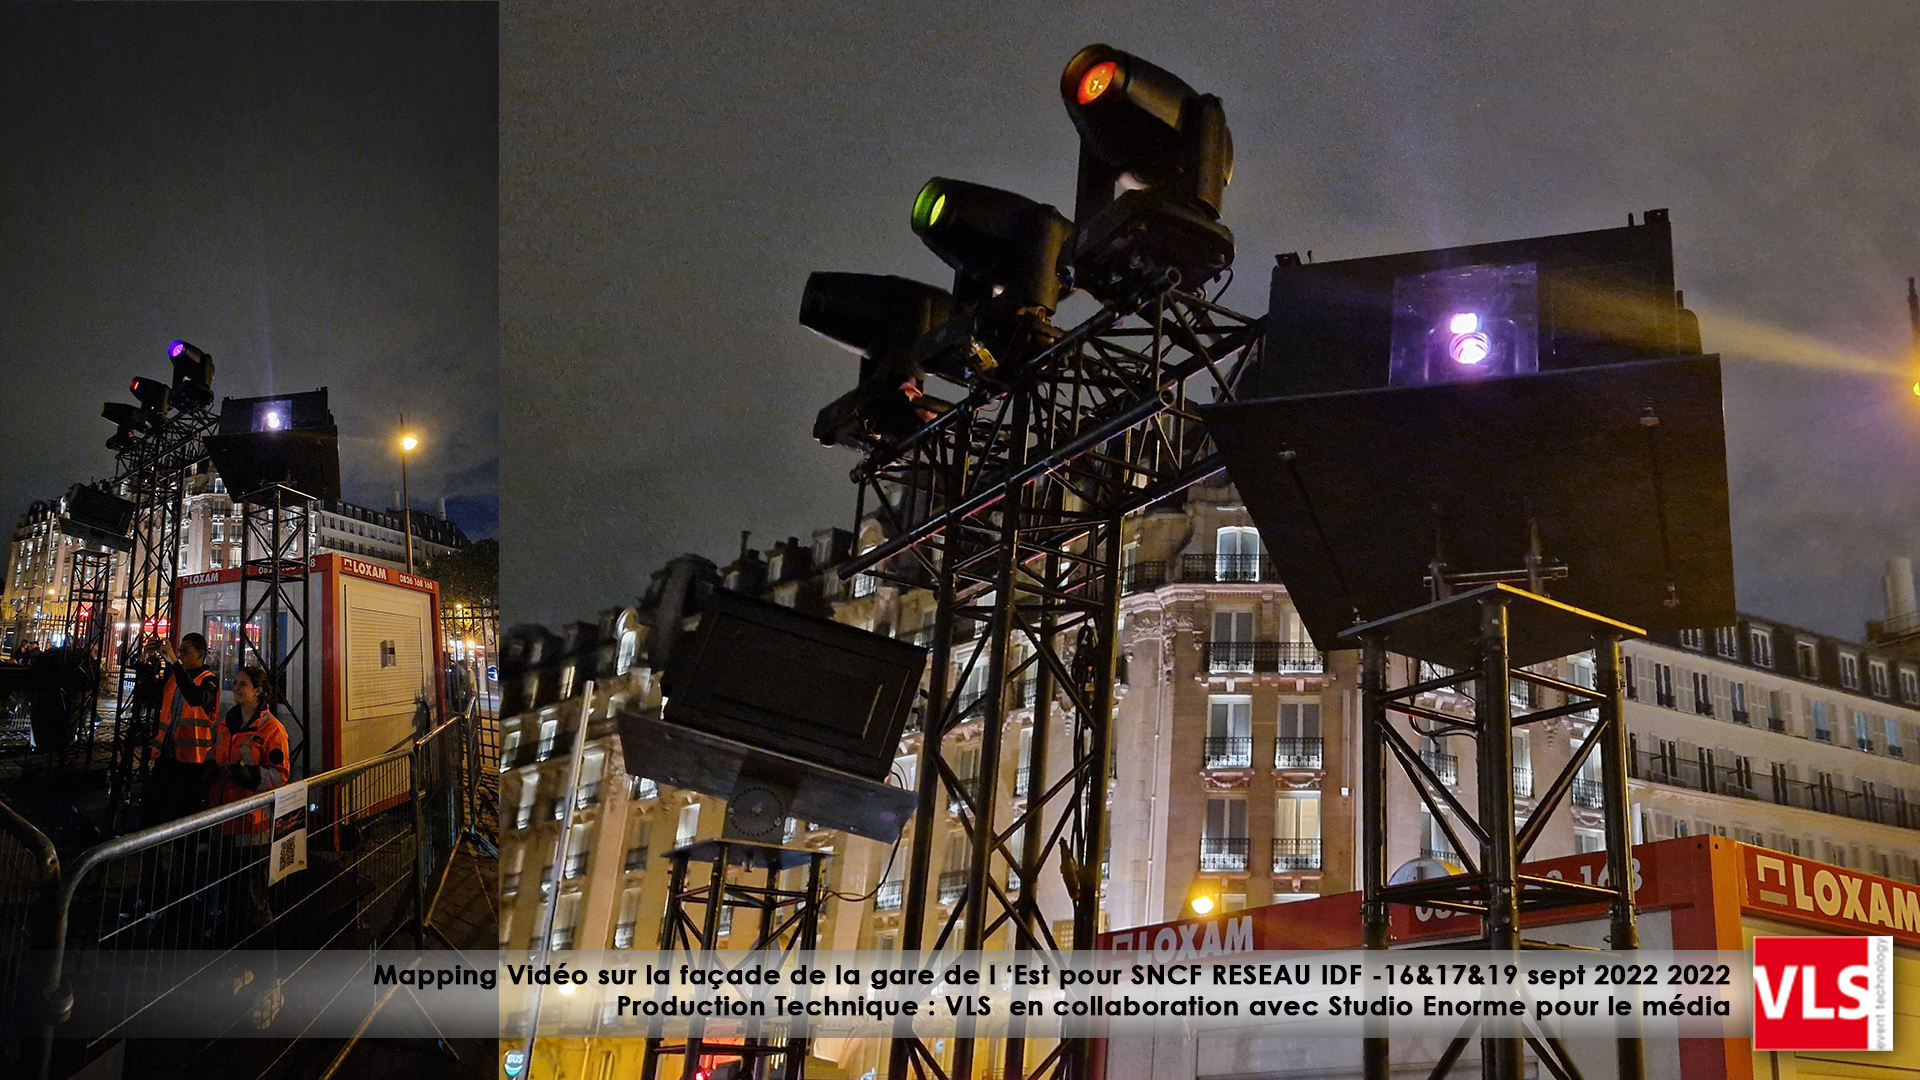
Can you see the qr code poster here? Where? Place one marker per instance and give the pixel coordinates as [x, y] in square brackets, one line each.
[289, 831]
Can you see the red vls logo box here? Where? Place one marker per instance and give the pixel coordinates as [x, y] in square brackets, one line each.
[1823, 993]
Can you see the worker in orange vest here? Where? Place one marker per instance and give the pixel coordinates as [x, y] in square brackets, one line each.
[183, 737]
[251, 750]
[250, 757]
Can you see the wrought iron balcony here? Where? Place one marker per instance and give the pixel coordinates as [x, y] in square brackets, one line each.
[577, 864]
[1262, 657]
[1229, 753]
[889, 896]
[1224, 852]
[1216, 566]
[1022, 776]
[1444, 766]
[588, 795]
[1297, 753]
[623, 936]
[636, 859]
[1444, 854]
[644, 788]
[953, 886]
[1522, 782]
[1588, 793]
[1294, 853]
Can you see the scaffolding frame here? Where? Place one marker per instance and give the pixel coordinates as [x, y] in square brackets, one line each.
[1009, 507]
[154, 474]
[276, 554]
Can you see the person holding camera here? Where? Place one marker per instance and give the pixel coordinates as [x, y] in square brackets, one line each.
[183, 736]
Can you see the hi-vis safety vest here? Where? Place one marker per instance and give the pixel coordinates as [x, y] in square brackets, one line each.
[262, 743]
[185, 732]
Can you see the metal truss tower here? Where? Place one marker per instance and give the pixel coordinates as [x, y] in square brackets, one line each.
[89, 616]
[154, 475]
[276, 558]
[1477, 636]
[1010, 508]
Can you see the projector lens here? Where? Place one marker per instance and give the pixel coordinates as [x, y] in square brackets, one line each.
[1470, 348]
[1464, 323]
[1096, 80]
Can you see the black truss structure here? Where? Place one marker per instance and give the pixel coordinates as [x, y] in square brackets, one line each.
[788, 921]
[153, 473]
[276, 564]
[1009, 508]
[89, 618]
[478, 623]
[1480, 634]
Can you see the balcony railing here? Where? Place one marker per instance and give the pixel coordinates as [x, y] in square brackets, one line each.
[623, 936]
[510, 885]
[1224, 852]
[1522, 782]
[1262, 657]
[1229, 753]
[1444, 766]
[588, 795]
[1588, 793]
[1741, 717]
[953, 886]
[1444, 854]
[889, 896]
[1197, 568]
[1701, 773]
[577, 864]
[644, 788]
[636, 859]
[971, 786]
[1293, 853]
[1297, 753]
[1022, 776]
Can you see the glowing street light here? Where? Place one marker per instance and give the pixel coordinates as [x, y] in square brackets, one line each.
[407, 442]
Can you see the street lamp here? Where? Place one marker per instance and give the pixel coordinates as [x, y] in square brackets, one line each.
[407, 442]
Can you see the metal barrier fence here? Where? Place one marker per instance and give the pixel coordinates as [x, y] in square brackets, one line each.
[380, 835]
[29, 874]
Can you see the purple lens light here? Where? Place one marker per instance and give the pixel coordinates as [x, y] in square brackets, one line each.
[178, 348]
[1470, 348]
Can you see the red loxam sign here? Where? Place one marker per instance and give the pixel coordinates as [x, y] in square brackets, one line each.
[1823, 993]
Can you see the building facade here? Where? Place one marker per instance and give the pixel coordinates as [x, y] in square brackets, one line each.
[1235, 773]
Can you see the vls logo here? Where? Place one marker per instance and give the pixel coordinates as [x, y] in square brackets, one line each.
[1823, 993]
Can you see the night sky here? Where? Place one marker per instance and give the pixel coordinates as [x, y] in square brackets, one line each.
[671, 174]
[308, 192]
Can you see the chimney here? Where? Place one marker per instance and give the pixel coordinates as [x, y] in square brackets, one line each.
[395, 504]
[443, 508]
[1900, 599]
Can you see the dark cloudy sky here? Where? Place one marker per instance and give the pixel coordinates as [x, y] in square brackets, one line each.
[308, 192]
[672, 173]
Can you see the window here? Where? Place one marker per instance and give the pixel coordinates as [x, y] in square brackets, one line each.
[1737, 702]
[1850, 671]
[1296, 832]
[549, 732]
[1726, 642]
[1229, 732]
[1223, 844]
[1693, 639]
[1877, 678]
[1231, 649]
[1299, 745]
[1892, 727]
[564, 920]
[1434, 843]
[1523, 763]
[579, 848]
[1910, 686]
[529, 791]
[1818, 710]
[688, 825]
[1237, 554]
[1663, 685]
[1776, 711]
[1626, 675]
[1702, 694]
[1760, 647]
[1862, 732]
[1585, 840]
[1808, 655]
